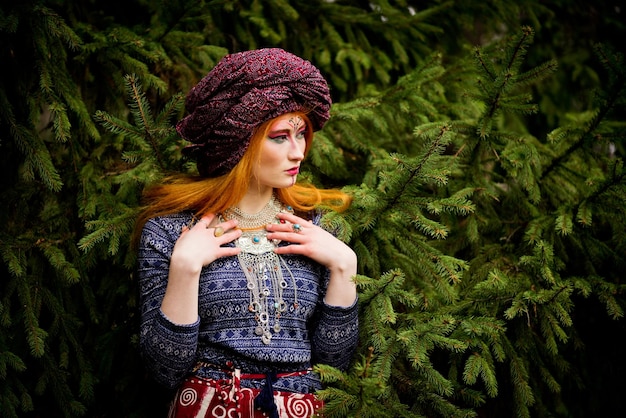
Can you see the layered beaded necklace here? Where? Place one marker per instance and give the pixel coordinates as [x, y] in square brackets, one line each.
[262, 267]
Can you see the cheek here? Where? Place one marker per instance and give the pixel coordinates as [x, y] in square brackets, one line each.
[269, 155]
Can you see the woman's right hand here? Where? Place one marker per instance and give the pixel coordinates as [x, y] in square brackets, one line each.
[200, 245]
[196, 247]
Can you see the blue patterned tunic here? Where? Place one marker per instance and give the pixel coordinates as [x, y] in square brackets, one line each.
[311, 331]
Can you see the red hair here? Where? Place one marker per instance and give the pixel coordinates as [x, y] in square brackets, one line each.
[202, 195]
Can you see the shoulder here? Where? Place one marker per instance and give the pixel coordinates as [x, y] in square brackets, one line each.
[173, 222]
[164, 228]
[315, 216]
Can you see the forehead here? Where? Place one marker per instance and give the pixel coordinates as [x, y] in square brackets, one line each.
[288, 121]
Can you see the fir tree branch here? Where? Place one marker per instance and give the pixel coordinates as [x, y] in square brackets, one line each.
[615, 91]
[503, 81]
[432, 149]
[616, 178]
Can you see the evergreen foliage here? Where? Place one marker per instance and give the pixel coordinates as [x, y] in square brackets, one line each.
[484, 146]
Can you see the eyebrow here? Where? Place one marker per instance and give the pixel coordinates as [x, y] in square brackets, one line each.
[285, 130]
[278, 131]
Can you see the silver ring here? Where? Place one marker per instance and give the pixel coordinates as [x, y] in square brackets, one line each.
[296, 228]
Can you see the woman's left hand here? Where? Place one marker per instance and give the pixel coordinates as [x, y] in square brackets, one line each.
[311, 241]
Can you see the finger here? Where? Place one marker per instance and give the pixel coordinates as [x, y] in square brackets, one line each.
[207, 220]
[228, 225]
[287, 237]
[227, 236]
[291, 227]
[287, 216]
[210, 221]
[291, 249]
[228, 251]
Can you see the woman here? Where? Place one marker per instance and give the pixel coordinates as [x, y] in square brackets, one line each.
[242, 291]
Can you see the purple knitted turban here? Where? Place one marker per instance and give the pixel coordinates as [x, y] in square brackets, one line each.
[241, 92]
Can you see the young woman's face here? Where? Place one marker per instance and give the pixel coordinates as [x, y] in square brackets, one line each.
[281, 153]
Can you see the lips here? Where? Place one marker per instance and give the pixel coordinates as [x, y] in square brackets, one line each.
[293, 171]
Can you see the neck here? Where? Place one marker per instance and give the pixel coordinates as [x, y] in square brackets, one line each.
[254, 217]
[255, 200]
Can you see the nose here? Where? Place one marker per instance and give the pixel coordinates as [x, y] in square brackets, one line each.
[296, 151]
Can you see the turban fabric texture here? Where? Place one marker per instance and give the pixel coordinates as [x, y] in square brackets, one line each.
[241, 92]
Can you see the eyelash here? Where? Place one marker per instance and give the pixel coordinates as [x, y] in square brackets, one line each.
[283, 138]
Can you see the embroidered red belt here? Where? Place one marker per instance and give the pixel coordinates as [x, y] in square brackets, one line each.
[202, 397]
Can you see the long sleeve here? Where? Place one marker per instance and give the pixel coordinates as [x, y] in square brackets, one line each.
[168, 349]
[335, 330]
[336, 335]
